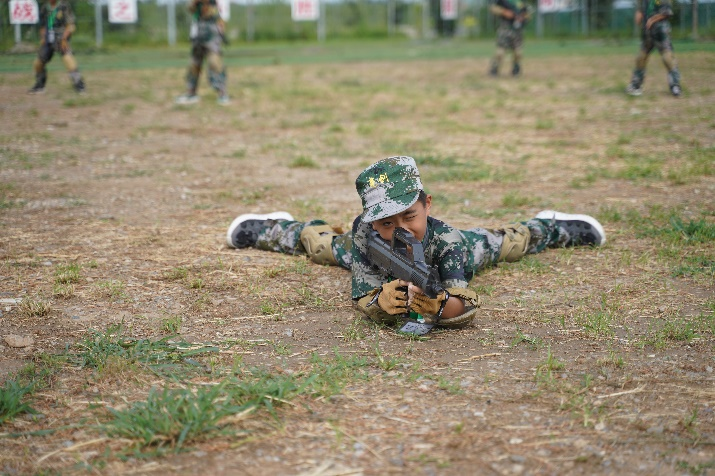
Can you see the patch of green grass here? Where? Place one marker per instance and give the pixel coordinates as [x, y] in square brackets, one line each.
[613, 359]
[164, 356]
[677, 330]
[598, 322]
[452, 387]
[19, 388]
[83, 101]
[172, 324]
[281, 348]
[67, 273]
[34, 307]
[355, 331]
[543, 124]
[534, 343]
[546, 369]
[169, 418]
[696, 265]
[641, 168]
[113, 289]
[238, 154]
[699, 162]
[530, 264]
[515, 200]
[295, 266]
[330, 377]
[678, 231]
[63, 291]
[309, 298]
[483, 289]
[452, 170]
[386, 363]
[609, 214]
[269, 308]
[26, 160]
[176, 274]
[305, 162]
[13, 396]
[696, 469]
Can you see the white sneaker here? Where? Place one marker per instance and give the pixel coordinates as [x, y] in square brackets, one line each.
[243, 230]
[187, 99]
[633, 90]
[223, 100]
[583, 229]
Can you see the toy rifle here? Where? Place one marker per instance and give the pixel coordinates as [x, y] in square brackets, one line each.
[404, 258]
[522, 13]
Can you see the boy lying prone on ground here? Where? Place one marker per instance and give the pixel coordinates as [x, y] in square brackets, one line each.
[393, 196]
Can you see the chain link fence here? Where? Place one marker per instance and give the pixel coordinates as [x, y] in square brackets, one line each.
[253, 21]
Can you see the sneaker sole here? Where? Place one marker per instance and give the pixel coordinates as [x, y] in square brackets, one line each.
[552, 214]
[253, 216]
[186, 102]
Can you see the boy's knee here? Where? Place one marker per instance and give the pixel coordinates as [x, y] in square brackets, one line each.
[318, 241]
[38, 65]
[515, 242]
[70, 62]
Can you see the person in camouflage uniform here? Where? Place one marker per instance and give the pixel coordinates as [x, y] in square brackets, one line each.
[652, 16]
[56, 27]
[510, 33]
[392, 196]
[207, 36]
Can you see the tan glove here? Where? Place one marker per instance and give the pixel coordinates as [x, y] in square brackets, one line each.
[423, 304]
[393, 297]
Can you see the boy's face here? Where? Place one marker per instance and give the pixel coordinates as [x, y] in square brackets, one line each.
[414, 220]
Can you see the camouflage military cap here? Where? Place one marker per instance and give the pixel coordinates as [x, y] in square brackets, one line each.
[388, 187]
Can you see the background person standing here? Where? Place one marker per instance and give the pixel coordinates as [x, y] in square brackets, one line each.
[510, 34]
[653, 17]
[56, 27]
[207, 36]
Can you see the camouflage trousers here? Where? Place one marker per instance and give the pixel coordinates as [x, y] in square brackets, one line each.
[207, 47]
[44, 56]
[509, 38]
[657, 37]
[484, 245]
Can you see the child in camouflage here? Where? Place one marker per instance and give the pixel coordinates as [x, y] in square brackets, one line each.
[392, 196]
[57, 24]
[652, 16]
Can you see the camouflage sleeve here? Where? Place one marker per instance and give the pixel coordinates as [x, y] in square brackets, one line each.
[69, 15]
[373, 311]
[664, 7]
[43, 16]
[365, 277]
[446, 249]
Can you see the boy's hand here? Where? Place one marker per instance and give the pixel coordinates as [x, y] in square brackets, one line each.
[423, 304]
[393, 297]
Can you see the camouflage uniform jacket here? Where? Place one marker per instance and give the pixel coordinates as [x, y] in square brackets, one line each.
[515, 7]
[655, 7]
[444, 248]
[56, 19]
[206, 17]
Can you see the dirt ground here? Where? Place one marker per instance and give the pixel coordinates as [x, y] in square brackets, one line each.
[131, 187]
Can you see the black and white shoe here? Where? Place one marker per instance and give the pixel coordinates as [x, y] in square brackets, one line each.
[582, 229]
[36, 89]
[634, 90]
[243, 231]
